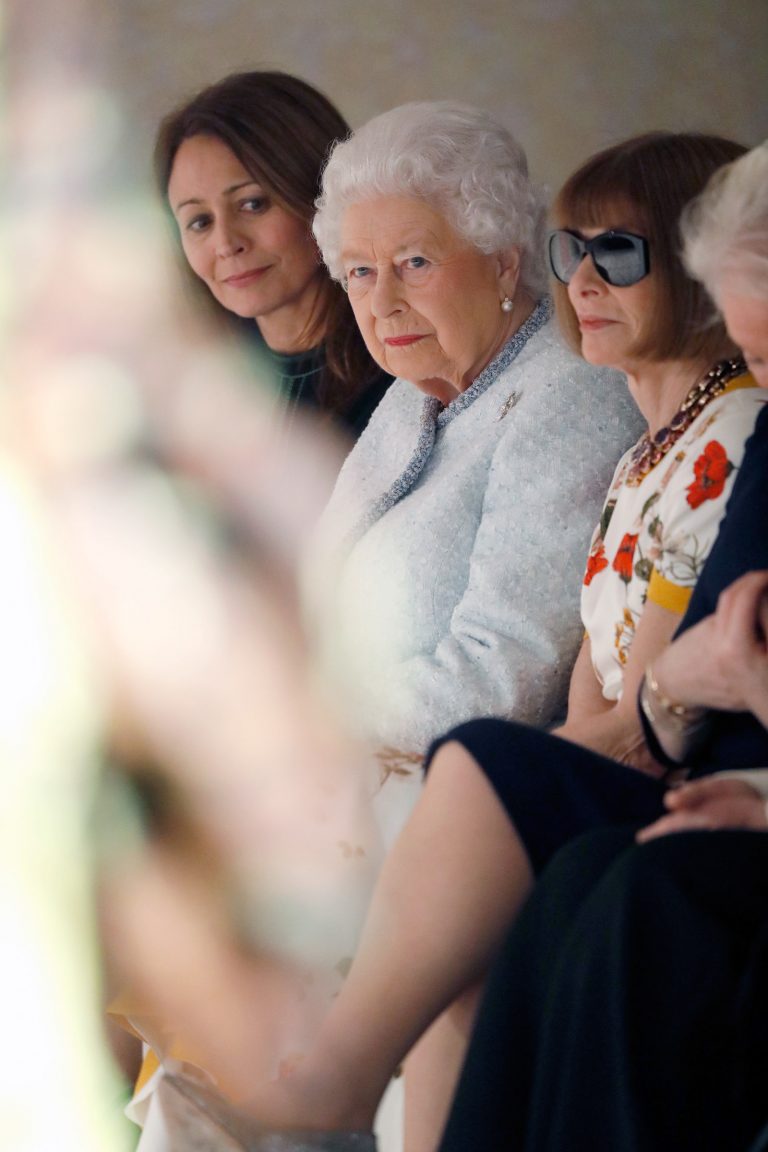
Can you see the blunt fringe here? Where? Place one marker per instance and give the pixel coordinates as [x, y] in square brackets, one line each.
[648, 180]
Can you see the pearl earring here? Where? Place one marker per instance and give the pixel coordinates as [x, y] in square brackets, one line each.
[507, 305]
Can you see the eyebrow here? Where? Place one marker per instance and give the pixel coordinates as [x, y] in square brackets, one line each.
[227, 192]
[421, 240]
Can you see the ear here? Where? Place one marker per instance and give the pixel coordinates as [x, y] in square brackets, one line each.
[508, 270]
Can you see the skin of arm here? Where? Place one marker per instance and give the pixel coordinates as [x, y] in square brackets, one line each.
[613, 729]
[585, 697]
[722, 662]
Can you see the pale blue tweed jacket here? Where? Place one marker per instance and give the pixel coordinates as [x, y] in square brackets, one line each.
[462, 534]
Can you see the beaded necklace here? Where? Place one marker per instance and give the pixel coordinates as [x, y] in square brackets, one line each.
[650, 449]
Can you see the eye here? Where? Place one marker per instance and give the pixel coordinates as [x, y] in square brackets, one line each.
[198, 223]
[413, 269]
[255, 204]
[357, 279]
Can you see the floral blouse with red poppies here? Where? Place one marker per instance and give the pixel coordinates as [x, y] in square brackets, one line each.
[653, 538]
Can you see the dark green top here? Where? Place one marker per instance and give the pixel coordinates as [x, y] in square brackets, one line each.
[298, 376]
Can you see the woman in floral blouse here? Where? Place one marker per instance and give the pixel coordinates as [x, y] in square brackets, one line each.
[657, 527]
[500, 797]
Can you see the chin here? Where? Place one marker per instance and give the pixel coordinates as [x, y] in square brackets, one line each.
[243, 307]
[410, 364]
[599, 355]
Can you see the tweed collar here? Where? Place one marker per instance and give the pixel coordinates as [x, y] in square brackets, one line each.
[434, 417]
[511, 350]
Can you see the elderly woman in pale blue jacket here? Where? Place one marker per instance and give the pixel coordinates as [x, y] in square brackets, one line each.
[461, 519]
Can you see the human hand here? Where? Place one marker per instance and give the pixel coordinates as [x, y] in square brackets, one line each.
[707, 804]
[722, 662]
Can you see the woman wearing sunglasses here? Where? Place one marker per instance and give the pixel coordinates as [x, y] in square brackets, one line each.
[501, 798]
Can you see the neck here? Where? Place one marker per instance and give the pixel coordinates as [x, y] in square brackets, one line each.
[659, 389]
[446, 389]
[297, 326]
[524, 306]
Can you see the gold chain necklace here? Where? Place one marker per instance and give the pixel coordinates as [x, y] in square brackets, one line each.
[650, 449]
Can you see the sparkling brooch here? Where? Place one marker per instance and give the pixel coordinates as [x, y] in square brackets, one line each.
[508, 405]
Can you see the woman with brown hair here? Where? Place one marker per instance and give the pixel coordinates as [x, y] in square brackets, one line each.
[240, 165]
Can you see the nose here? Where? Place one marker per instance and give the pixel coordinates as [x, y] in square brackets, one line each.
[585, 279]
[227, 240]
[387, 294]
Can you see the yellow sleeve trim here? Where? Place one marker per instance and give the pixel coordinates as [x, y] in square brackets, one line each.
[124, 1003]
[149, 1066]
[668, 595]
[151, 1062]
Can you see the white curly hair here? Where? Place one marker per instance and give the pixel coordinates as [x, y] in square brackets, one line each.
[725, 229]
[459, 160]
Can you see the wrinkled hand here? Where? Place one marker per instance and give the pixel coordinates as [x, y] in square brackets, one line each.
[714, 802]
[722, 662]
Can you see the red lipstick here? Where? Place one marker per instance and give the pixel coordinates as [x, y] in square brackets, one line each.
[402, 341]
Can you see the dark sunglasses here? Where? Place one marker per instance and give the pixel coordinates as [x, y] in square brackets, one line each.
[621, 258]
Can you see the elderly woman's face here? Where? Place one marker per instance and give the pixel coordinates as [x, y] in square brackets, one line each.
[427, 303]
[746, 318]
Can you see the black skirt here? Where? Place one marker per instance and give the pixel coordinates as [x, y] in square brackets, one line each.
[552, 789]
[628, 1009]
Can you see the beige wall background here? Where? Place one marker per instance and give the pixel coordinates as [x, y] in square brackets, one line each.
[568, 76]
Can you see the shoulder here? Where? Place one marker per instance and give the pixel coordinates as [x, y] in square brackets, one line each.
[401, 400]
[750, 491]
[756, 448]
[727, 421]
[562, 384]
[695, 479]
[384, 446]
[742, 400]
[566, 406]
[761, 427]
[399, 408]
